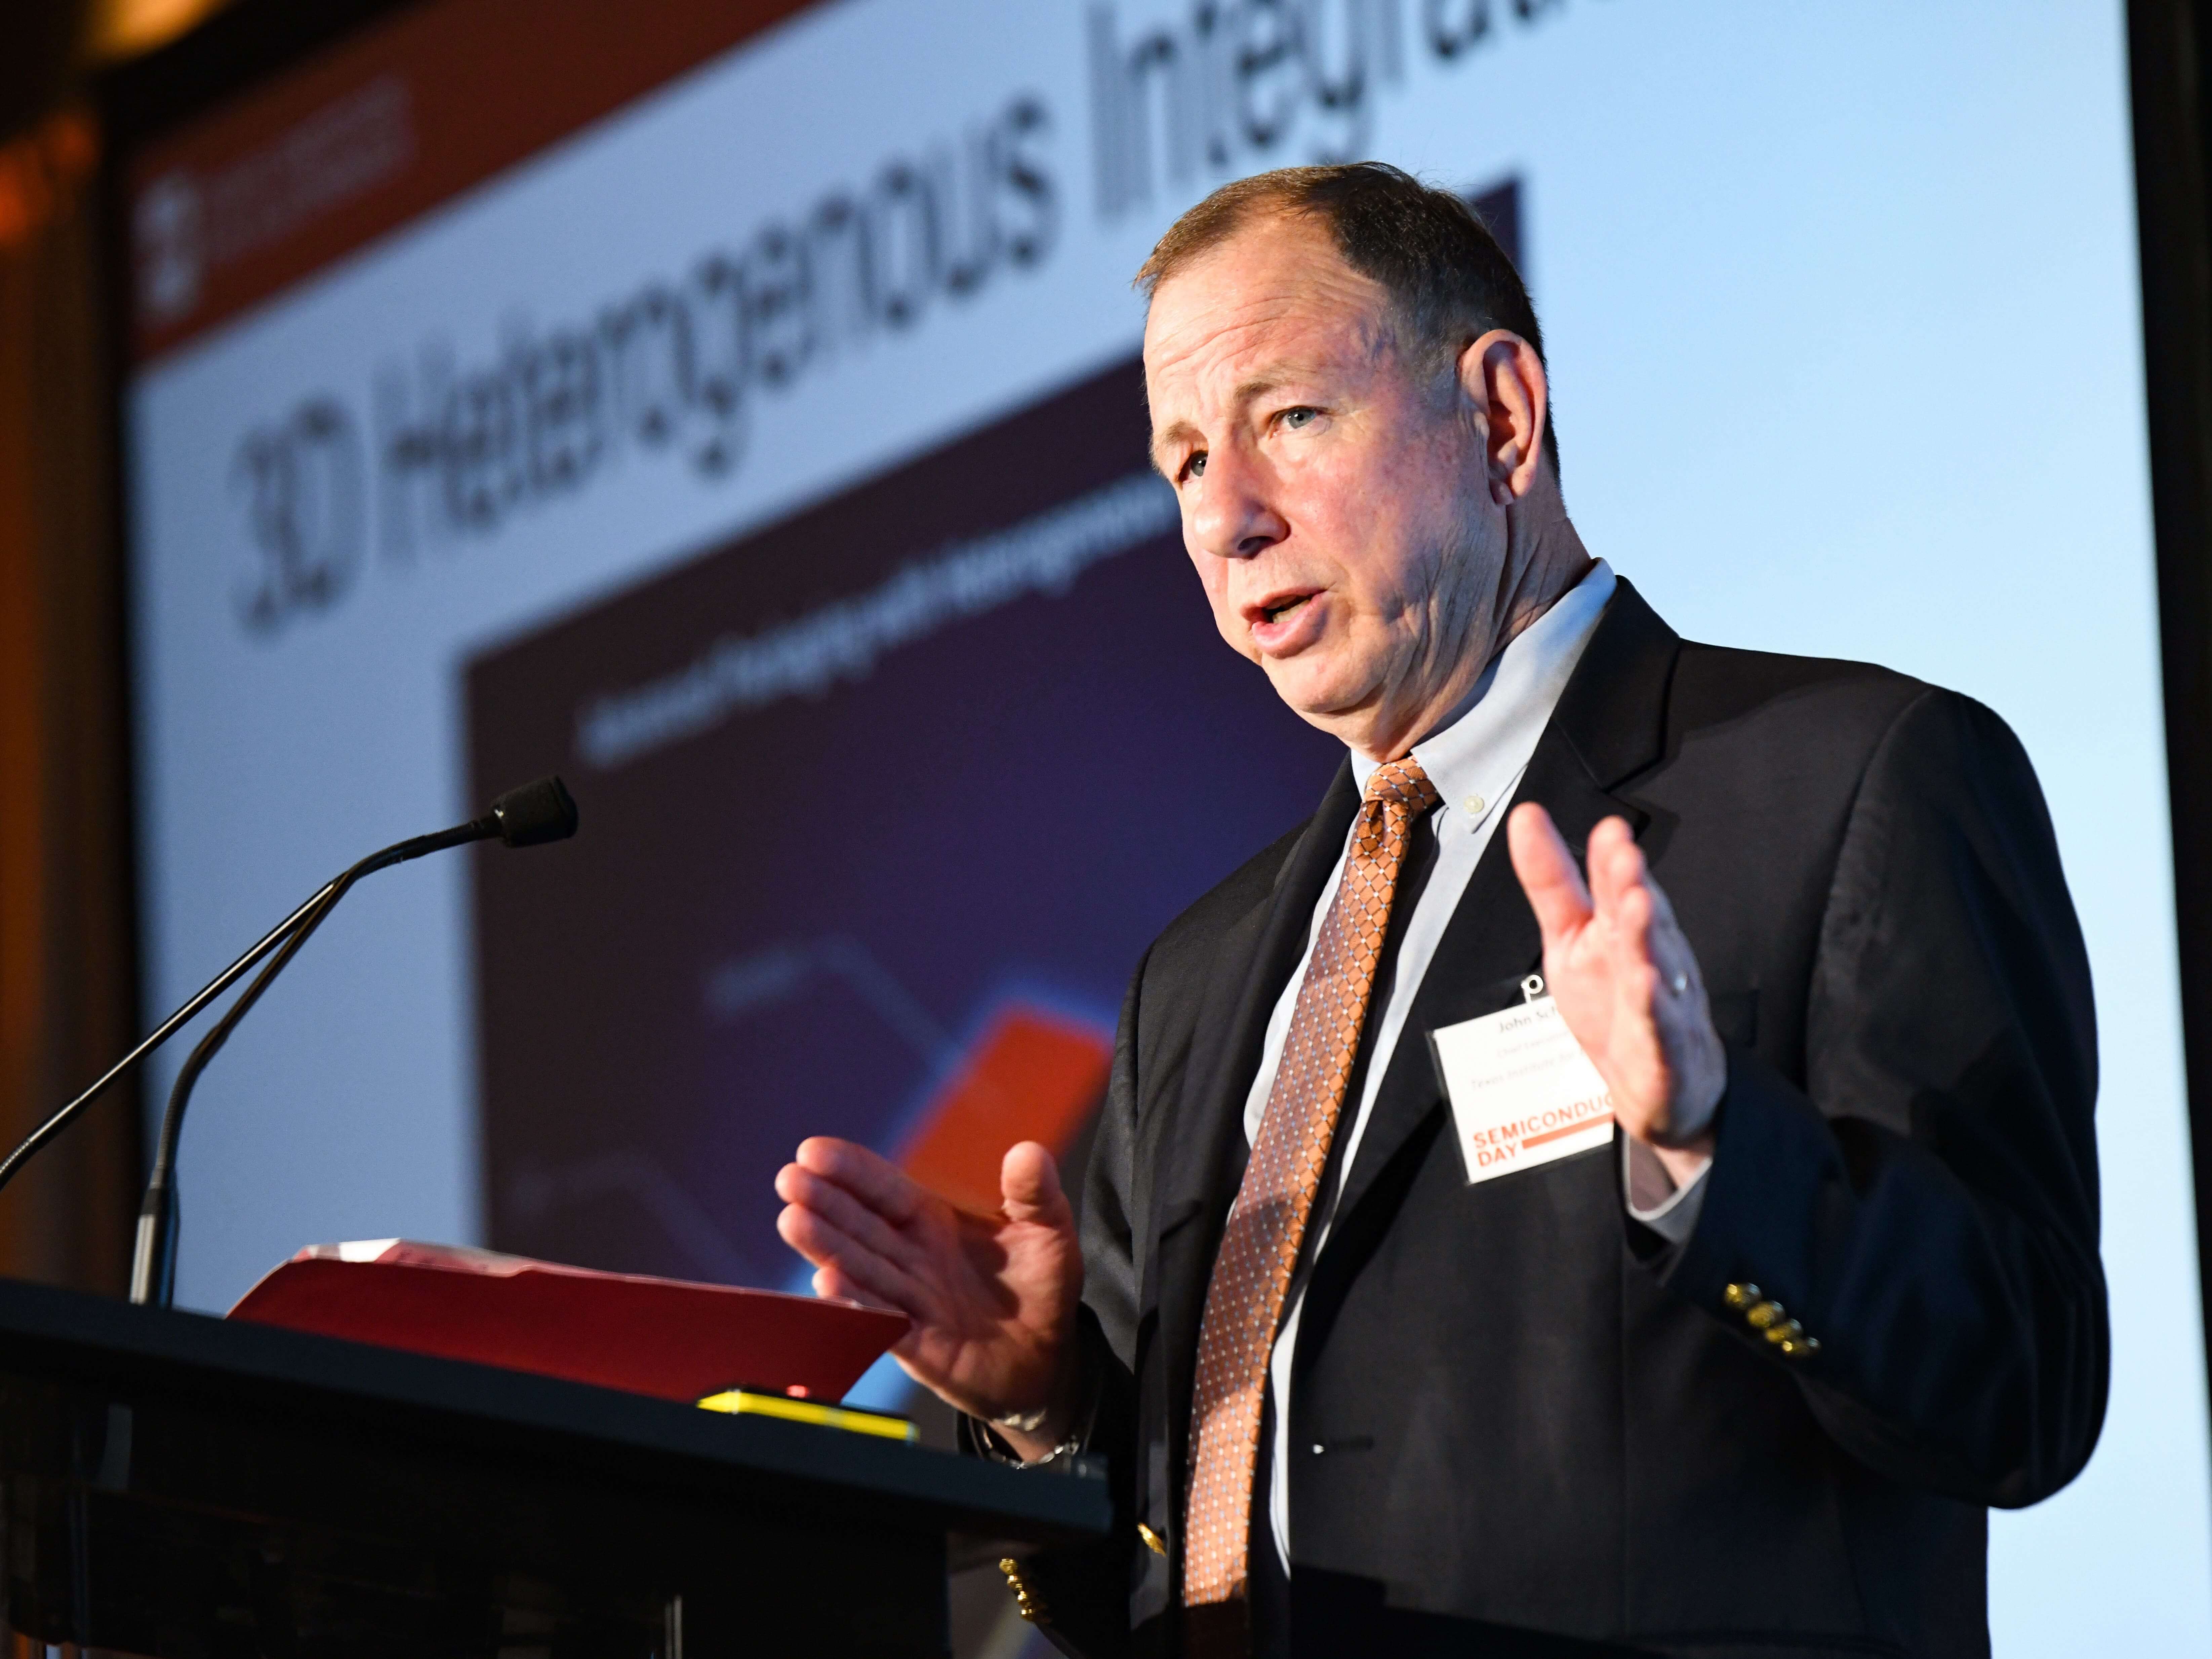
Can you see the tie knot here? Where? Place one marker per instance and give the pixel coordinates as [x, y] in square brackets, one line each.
[1403, 783]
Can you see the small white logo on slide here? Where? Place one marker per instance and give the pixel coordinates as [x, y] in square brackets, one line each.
[171, 247]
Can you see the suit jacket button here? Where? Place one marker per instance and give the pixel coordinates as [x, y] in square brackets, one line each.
[1764, 1313]
[1784, 1334]
[1026, 1602]
[1740, 1296]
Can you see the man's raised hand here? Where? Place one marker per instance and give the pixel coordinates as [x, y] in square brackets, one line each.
[993, 1297]
[1626, 983]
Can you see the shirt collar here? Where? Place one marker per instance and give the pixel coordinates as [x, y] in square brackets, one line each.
[1475, 760]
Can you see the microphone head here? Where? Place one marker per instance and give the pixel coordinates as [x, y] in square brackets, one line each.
[536, 813]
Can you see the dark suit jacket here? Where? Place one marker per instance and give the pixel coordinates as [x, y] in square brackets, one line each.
[1514, 1406]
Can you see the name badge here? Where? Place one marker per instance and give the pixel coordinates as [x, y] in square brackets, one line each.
[1522, 1091]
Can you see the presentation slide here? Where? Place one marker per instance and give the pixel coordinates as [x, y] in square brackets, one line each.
[972, 746]
[735, 409]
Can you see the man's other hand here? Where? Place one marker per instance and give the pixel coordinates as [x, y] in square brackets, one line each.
[993, 1297]
[1627, 985]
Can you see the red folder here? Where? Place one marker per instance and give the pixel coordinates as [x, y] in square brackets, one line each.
[657, 1336]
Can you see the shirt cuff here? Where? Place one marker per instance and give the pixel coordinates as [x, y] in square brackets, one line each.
[1652, 1197]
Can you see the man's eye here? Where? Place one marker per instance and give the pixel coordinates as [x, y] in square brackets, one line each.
[1296, 419]
[1196, 467]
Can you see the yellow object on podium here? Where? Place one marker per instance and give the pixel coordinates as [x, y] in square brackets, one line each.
[748, 1402]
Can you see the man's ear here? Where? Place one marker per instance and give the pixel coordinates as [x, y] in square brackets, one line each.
[1501, 376]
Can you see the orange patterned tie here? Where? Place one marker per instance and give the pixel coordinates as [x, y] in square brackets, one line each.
[1260, 1245]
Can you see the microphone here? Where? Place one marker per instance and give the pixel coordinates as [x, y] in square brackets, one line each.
[528, 816]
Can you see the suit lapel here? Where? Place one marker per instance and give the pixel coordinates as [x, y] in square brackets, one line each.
[1607, 726]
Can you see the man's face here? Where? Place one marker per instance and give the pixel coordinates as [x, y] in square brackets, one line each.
[1334, 497]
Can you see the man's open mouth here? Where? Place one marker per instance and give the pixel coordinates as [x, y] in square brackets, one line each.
[1278, 611]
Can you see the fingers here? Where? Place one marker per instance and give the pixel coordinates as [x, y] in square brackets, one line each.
[846, 1211]
[798, 1186]
[831, 1249]
[1641, 926]
[1029, 1183]
[833, 1285]
[1622, 897]
[1547, 872]
[1616, 865]
[1671, 946]
[1628, 947]
[873, 1179]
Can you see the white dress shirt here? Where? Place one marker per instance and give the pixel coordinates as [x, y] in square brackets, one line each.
[1475, 763]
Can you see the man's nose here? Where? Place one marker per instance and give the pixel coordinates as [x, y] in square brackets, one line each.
[1234, 516]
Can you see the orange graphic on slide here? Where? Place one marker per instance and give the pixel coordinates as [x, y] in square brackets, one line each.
[1033, 1075]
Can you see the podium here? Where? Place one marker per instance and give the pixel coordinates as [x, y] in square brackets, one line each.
[172, 1484]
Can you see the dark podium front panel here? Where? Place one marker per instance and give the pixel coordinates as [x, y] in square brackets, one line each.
[171, 1484]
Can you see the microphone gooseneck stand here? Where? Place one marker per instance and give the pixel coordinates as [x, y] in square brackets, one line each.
[535, 813]
[35, 1142]
[153, 1253]
[527, 816]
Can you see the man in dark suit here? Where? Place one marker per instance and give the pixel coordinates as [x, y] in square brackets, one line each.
[1741, 1373]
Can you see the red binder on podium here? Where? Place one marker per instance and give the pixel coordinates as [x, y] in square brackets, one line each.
[664, 1337]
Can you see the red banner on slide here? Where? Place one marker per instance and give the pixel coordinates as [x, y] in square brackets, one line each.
[382, 128]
